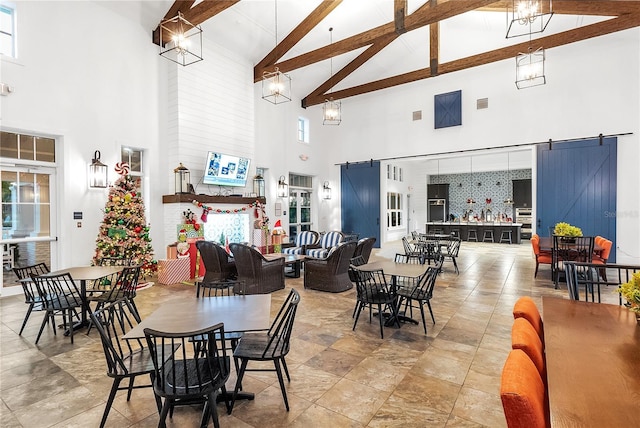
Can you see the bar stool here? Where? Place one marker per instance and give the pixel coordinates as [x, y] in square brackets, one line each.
[487, 235]
[472, 235]
[505, 236]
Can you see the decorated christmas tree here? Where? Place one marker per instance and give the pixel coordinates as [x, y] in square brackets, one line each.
[124, 232]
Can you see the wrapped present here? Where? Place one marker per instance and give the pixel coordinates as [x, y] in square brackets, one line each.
[260, 238]
[196, 265]
[191, 230]
[172, 271]
[172, 252]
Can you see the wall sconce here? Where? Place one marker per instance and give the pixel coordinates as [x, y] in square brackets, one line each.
[97, 172]
[258, 186]
[182, 179]
[326, 190]
[282, 188]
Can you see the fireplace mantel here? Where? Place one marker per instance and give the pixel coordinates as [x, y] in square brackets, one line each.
[209, 199]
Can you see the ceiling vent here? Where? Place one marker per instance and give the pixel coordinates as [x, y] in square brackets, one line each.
[482, 103]
[417, 115]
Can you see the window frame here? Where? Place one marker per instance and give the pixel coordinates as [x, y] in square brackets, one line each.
[11, 11]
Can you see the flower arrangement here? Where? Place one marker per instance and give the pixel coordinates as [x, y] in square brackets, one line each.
[631, 291]
[565, 229]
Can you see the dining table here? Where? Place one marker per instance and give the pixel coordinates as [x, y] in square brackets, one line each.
[395, 270]
[84, 274]
[592, 353]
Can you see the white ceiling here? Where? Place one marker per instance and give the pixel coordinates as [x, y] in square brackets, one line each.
[249, 28]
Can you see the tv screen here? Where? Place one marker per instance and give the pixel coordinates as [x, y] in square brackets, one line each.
[225, 170]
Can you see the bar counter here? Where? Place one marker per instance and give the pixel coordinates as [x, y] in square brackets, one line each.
[463, 228]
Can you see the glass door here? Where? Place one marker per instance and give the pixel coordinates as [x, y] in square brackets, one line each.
[299, 212]
[27, 221]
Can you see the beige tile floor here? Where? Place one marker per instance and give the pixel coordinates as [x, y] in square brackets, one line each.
[339, 377]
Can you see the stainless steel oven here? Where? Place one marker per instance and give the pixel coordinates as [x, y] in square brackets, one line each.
[525, 217]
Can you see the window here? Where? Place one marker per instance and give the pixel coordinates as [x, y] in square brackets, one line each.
[7, 31]
[27, 147]
[394, 210]
[394, 173]
[134, 158]
[303, 130]
[300, 204]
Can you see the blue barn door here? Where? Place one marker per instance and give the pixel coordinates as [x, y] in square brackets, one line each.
[577, 184]
[360, 189]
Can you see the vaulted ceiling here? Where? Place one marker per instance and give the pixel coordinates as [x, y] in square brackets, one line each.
[379, 44]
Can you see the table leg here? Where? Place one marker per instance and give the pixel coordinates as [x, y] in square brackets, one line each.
[84, 322]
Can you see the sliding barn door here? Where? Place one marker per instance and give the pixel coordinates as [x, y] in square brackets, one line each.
[577, 184]
[360, 189]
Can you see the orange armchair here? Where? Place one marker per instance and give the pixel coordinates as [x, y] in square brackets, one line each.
[526, 308]
[523, 395]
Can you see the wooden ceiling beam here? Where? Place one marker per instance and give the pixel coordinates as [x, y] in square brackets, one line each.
[294, 37]
[349, 68]
[623, 22]
[399, 13]
[434, 45]
[421, 17]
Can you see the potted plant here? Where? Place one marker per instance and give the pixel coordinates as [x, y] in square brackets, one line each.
[567, 230]
[631, 292]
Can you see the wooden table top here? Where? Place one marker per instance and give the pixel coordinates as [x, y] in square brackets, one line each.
[593, 363]
[88, 273]
[238, 313]
[390, 267]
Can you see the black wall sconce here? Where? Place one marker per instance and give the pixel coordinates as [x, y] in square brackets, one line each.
[97, 172]
[326, 190]
[282, 187]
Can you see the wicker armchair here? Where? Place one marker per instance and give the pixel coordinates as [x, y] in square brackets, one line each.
[332, 273]
[216, 262]
[259, 275]
[364, 247]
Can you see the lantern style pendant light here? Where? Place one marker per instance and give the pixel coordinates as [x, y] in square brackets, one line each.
[332, 110]
[276, 86]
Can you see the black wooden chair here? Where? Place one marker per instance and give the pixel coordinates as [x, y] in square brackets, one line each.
[126, 359]
[421, 294]
[59, 295]
[194, 373]
[270, 346]
[570, 249]
[373, 290]
[451, 252]
[29, 289]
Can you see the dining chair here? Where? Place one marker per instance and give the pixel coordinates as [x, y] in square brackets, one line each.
[451, 252]
[270, 346]
[372, 290]
[410, 249]
[577, 249]
[541, 257]
[59, 295]
[525, 337]
[523, 394]
[114, 261]
[126, 359]
[526, 308]
[31, 296]
[121, 287]
[194, 373]
[421, 293]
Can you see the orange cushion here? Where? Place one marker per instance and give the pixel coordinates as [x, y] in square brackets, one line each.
[606, 249]
[522, 393]
[523, 336]
[526, 308]
[545, 258]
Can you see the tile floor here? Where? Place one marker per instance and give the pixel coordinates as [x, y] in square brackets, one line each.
[339, 377]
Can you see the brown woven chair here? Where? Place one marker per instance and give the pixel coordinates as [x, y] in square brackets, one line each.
[330, 274]
[219, 270]
[364, 247]
[259, 275]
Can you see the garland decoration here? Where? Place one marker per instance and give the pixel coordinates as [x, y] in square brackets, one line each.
[207, 209]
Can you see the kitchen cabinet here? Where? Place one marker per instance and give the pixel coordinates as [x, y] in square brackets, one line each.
[438, 191]
[522, 193]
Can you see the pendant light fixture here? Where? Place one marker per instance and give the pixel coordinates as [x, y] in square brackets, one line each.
[332, 110]
[509, 200]
[276, 86]
[528, 17]
[180, 40]
[471, 201]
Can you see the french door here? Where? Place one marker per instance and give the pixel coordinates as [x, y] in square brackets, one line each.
[299, 212]
[28, 221]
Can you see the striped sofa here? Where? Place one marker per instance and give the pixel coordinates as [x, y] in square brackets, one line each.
[328, 241]
[303, 239]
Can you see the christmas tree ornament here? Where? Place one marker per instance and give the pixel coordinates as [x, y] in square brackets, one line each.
[122, 168]
[205, 214]
[138, 229]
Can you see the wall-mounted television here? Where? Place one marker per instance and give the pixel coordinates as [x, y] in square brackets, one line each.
[225, 170]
